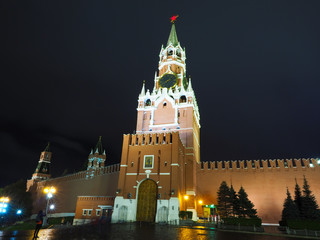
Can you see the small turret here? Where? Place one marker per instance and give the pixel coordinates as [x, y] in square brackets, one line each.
[97, 156]
[42, 171]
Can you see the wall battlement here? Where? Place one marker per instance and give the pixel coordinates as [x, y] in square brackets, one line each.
[253, 165]
[87, 173]
[96, 198]
[151, 138]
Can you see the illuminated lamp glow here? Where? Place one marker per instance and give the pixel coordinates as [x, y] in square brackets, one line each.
[212, 205]
[49, 195]
[52, 206]
[19, 212]
[0, 210]
[186, 197]
[4, 210]
[319, 161]
[200, 201]
[1, 205]
[5, 205]
[46, 190]
[311, 165]
[53, 190]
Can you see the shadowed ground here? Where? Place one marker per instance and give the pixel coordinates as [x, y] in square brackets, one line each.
[136, 231]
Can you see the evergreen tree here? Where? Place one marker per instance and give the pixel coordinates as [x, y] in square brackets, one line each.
[224, 199]
[245, 205]
[290, 209]
[309, 206]
[297, 197]
[234, 201]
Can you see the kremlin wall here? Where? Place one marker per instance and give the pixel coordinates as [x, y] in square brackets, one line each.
[160, 173]
[265, 181]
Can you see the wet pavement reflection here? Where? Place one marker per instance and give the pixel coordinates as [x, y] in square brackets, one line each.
[136, 231]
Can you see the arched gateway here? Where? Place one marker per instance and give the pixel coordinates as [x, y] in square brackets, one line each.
[147, 201]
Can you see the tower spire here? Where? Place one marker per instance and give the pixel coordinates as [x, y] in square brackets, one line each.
[47, 149]
[173, 38]
[98, 148]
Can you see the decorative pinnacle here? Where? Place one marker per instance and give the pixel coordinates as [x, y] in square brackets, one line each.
[143, 91]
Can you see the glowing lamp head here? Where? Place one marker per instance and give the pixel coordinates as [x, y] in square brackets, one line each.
[53, 190]
[186, 197]
[52, 206]
[49, 195]
[46, 190]
[200, 202]
[4, 199]
[19, 212]
[4, 210]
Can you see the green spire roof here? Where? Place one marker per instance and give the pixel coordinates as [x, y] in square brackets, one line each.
[173, 38]
[47, 149]
[99, 147]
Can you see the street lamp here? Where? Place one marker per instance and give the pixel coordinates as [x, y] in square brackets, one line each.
[49, 191]
[4, 204]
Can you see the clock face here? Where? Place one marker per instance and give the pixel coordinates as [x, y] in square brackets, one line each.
[168, 81]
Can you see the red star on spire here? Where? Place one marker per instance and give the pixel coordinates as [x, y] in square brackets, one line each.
[174, 18]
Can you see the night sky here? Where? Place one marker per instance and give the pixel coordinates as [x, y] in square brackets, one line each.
[71, 71]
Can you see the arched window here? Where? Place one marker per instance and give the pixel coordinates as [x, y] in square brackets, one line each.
[148, 102]
[178, 53]
[164, 104]
[170, 52]
[183, 99]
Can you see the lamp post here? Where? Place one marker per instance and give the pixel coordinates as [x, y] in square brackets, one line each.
[49, 191]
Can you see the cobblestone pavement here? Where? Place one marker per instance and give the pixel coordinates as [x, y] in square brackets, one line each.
[135, 231]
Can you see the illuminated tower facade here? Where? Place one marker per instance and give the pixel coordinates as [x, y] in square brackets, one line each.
[158, 164]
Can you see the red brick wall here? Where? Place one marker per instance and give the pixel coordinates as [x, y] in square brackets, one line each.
[266, 186]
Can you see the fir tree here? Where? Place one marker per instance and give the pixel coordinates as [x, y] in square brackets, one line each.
[224, 199]
[290, 209]
[297, 197]
[245, 205]
[309, 206]
[234, 201]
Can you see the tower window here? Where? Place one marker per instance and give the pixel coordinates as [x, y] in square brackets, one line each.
[164, 104]
[183, 99]
[148, 102]
[178, 53]
[131, 164]
[170, 52]
[165, 164]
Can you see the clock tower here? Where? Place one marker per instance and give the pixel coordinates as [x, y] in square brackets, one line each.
[172, 105]
[158, 164]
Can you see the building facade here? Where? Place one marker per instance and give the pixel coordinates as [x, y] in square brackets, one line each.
[160, 173]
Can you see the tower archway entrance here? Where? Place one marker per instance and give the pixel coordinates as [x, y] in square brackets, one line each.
[147, 201]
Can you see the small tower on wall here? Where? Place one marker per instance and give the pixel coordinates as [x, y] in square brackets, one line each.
[42, 171]
[97, 157]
